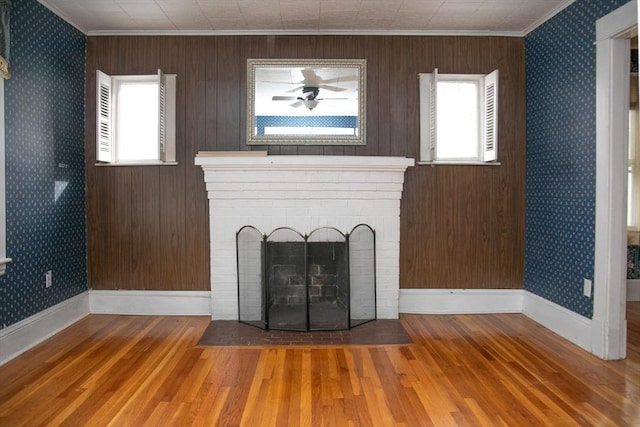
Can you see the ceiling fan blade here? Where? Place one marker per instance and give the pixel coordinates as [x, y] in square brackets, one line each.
[310, 77]
[332, 99]
[295, 89]
[284, 98]
[274, 82]
[351, 78]
[297, 104]
[332, 88]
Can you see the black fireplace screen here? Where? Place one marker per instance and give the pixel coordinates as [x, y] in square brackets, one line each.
[321, 281]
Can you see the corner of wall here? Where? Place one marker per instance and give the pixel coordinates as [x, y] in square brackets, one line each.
[21, 336]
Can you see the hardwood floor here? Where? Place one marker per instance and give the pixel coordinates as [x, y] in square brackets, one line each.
[462, 370]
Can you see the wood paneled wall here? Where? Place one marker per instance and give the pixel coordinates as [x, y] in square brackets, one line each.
[461, 226]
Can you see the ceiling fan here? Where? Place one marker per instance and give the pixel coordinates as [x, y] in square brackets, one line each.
[311, 85]
[312, 79]
[309, 97]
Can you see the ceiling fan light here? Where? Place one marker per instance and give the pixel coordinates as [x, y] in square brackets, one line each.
[311, 104]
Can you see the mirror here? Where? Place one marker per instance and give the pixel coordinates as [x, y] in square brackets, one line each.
[306, 102]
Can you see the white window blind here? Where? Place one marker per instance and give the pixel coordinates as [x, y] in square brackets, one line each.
[490, 140]
[104, 148]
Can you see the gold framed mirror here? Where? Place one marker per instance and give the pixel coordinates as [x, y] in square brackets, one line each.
[306, 101]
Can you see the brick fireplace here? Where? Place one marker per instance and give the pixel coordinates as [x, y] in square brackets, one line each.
[304, 193]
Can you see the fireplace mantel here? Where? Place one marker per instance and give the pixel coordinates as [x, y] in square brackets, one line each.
[302, 192]
[210, 162]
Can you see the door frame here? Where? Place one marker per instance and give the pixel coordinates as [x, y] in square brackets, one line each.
[608, 324]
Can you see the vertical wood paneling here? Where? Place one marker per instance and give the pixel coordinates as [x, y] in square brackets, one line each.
[210, 60]
[398, 92]
[228, 91]
[461, 226]
[152, 242]
[383, 88]
[195, 248]
[136, 233]
[412, 50]
[368, 49]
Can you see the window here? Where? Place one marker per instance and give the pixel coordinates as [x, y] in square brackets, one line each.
[135, 121]
[458, 118]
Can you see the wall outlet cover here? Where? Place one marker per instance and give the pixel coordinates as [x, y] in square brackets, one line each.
[586, 290]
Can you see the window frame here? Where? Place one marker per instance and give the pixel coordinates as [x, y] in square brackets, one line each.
[487, 100]
[107, 118]
[633, 164]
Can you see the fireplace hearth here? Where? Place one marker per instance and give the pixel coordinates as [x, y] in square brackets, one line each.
[321, 281]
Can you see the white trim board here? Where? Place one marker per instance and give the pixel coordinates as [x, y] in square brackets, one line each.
[460, 301]
[564, 322]
[560, 320]
[608, 326]
[160, 303]
[21, 336]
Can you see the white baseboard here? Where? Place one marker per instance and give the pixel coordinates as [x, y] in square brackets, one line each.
[633, 290]
[161, 303]
[21, 336]
[460, 301]
[18, 338]
[562, 321]
[558, 319]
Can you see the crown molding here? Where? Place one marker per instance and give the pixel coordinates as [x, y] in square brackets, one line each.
[546, 17]
[63, 16]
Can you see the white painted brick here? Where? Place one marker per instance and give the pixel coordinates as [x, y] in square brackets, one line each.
[352, 177]
[226, 186]
[344, 186]
[387, 186]
[385, 177]
[269, 196]
[374, 204]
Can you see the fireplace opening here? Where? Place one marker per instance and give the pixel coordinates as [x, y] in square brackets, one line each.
[321, 281]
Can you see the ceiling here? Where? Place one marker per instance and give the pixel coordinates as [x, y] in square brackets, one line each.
[500, 17]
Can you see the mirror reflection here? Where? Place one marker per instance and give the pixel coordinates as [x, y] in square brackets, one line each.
[306, 102]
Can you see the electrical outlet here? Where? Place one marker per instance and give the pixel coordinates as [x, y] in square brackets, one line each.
[586, 289]
[48, 279]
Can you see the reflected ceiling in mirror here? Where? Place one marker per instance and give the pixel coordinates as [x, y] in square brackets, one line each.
[306, 102]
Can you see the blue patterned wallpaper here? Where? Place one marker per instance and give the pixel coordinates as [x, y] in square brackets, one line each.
[44, 110]
[561, 143]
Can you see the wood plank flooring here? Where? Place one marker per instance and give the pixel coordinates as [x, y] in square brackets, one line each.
[462, 370]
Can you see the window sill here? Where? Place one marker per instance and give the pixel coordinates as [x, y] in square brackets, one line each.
[137, 164]
[3, 264]
[457, 163]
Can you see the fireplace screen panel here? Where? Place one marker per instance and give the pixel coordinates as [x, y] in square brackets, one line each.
[251, 296]
[328, 280]
[286, 270]
[306, 282]
[362, 271]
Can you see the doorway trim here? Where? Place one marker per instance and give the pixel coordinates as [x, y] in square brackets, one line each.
[608, 324]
